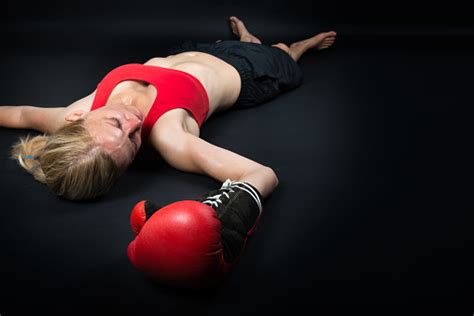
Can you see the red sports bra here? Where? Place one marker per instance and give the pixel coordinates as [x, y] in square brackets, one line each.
[175, 89]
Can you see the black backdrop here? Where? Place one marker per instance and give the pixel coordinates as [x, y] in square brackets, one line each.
[374, 160]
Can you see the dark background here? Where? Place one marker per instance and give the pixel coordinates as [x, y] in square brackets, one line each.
[373, 153]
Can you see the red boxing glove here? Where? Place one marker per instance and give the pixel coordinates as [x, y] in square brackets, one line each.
[194, 243]
[179, 245]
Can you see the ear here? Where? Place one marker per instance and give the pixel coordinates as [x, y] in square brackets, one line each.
[74, 116]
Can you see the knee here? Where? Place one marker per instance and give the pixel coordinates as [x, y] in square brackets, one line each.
[282, 46]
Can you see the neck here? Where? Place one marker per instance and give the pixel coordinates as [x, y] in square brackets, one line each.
[142, 100]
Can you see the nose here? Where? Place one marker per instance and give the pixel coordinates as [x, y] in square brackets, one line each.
[133, 123]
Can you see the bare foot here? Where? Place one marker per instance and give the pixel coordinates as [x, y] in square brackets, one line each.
[239, 29]
[319, 41]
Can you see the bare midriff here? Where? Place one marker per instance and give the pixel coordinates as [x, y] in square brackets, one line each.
[220, 79]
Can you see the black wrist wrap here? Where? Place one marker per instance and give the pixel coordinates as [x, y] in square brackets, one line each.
[238, 206]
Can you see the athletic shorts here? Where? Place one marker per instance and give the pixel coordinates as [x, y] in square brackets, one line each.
[265, 71]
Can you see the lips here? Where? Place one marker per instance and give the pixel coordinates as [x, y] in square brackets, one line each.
[139, 115]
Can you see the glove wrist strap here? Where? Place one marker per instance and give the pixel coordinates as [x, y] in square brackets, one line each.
[250, 189]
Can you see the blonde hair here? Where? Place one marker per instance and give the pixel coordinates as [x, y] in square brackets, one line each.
[69, 162]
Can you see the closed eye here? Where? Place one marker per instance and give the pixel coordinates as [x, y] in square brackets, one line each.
[117, 123]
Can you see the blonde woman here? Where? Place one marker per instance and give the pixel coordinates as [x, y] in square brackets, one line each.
[162, 103]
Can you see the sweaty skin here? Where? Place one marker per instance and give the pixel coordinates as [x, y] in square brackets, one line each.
[175, 135]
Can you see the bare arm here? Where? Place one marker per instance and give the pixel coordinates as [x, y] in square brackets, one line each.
[190, 153]
[46, 120]
[29, 117]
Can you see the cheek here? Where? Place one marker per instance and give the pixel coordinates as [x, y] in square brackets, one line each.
[111, 139]
[125, 155]
[121, 159]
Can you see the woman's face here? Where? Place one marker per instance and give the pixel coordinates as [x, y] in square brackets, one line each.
[117, 129]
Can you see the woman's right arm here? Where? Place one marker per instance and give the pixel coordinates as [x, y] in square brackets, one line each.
[29, 117]
[46, 120]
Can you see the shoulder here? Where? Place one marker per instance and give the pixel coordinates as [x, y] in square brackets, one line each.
[84, 104]
[175, 121]
[170, 131]
[158, 61]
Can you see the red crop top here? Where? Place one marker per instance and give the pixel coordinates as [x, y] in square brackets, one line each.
[175, 89]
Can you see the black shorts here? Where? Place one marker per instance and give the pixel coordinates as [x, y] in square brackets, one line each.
[265, 71]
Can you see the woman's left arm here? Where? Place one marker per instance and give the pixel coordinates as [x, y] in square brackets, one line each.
[189, 153]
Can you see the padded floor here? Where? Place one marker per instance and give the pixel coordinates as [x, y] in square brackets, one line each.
[373, 154]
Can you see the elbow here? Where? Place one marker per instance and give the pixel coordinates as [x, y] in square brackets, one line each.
[264, 179]
[275, 177]
[272, 177]
[271, 182]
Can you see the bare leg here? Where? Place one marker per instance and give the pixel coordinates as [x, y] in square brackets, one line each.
[319, 41]
[296, 50]
[239, 29]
